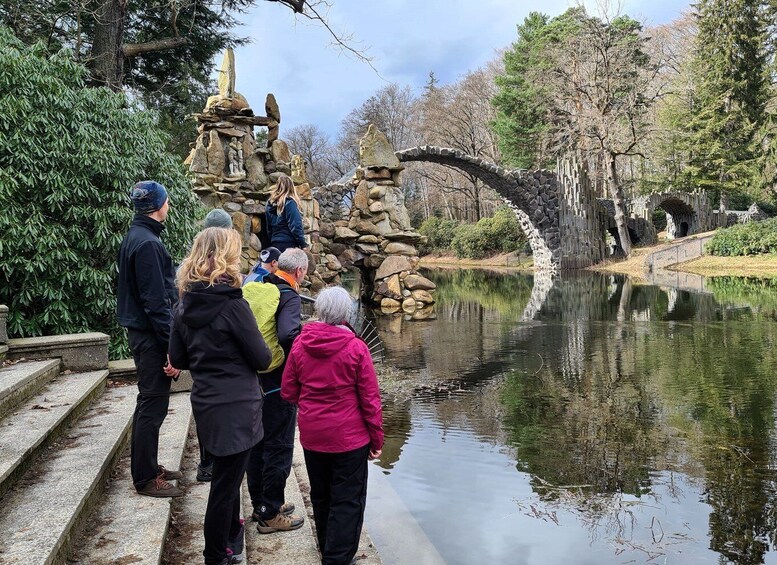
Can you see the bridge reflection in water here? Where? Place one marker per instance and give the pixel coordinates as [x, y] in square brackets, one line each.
[612, 421]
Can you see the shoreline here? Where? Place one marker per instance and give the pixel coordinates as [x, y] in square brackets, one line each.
[762, 266]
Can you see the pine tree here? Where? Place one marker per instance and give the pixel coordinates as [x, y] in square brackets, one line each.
[728, 108]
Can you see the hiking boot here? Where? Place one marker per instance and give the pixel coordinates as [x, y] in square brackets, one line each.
[160, 488]
[169, 475]
[204, 473]
[281, 523]
[286, 508]
[236, 544]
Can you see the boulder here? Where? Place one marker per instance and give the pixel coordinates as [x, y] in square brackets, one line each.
[422, 296]
[376, 152]
[393, 264]
[280, 151]
[256, 224]
[254, 243]
[404, 236]
[337, 248]
[394, 204]
[344, 234]
[304, 192]
[408, 305]
[361, 200]
[367, 248]
[394, 286]
[377, 174]
[367, 228]
[374, 261]
[232, 207]
[272, 109]
[199, 158]
[242, 224]
[368, 239]
[251, 206]
[377, 193]
[216, 159]
[332, 263]
[376, 207]
[389, 305]
[417, 282]
[350, 256]
[327, 230]
[255, 170]
[397, 248]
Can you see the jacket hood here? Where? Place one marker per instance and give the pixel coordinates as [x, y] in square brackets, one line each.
[203, 303]
[324, 340]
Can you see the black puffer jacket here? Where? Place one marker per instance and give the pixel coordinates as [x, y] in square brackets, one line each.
[215, 337]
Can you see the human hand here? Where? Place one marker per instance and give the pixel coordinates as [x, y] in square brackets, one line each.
[374, 454]
[171, 371]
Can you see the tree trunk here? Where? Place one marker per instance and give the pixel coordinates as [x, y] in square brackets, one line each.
[619, 201]
[107, 61]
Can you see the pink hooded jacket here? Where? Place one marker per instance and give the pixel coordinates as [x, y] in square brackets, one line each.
[330, 375]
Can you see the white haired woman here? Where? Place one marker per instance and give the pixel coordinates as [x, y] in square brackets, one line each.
[330, 376]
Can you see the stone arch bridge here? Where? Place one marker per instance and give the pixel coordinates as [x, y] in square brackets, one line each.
[557, 210]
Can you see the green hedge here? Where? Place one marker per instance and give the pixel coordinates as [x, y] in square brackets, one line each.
[499, 234]
[753, 238]
[69, 155]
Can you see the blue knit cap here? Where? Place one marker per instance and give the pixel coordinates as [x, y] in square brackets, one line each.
[148, 196]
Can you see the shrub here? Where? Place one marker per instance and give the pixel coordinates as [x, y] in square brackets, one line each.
[753, 238]
[500, 234]
[439, 233]
[68, 157]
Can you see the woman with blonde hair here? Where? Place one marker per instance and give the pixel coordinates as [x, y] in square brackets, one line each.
[215, 336]
[283, 218]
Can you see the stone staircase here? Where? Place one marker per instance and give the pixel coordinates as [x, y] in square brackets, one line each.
[65, 490]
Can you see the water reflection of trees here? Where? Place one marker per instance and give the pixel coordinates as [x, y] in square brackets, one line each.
[618, 403]
[644, 398]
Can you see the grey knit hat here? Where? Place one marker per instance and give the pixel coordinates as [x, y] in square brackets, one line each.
[218, 218]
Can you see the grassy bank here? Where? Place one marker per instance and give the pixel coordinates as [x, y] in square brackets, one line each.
[750, 266]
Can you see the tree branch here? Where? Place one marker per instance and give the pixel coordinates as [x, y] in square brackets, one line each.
[134, 49]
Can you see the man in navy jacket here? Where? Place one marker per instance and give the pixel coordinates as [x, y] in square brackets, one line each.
[145, 300]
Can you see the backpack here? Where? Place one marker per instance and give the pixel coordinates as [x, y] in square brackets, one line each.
[263, 298]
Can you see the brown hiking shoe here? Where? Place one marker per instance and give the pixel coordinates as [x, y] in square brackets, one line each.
[160, 488]
[281, 523]
[169, 475]
[287, 508]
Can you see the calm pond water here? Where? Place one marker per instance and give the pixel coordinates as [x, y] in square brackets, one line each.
[624, 424]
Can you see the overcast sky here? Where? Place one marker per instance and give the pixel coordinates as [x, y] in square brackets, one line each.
[316, 83]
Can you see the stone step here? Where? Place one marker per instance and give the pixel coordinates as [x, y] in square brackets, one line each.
[127, 527]
[281, 548]
[185, 540]
[33, 425]
[77, 352]
[21, 380]
[46, 507]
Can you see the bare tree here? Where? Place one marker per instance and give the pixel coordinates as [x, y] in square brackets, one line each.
[603, 84]
[459, 116]
[315, 147]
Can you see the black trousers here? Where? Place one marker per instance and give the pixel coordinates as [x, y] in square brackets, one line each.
[338, 491]
[270, 462]
[222, 516]
[150, 357]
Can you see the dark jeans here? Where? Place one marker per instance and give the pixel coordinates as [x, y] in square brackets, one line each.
[270, 462]
[338, 491]
[151, 409]
[222, 516]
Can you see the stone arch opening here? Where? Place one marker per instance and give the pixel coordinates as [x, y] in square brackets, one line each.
[532, 195]
[680, 216]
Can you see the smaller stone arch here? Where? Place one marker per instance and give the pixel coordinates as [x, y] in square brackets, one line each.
[687, 213]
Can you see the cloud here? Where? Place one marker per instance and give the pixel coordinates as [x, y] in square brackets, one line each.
[316, 83]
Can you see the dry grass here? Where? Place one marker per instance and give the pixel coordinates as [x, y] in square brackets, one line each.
[634, 266]
[750, 266]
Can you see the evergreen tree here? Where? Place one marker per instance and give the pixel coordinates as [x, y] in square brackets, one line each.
[728, 107]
